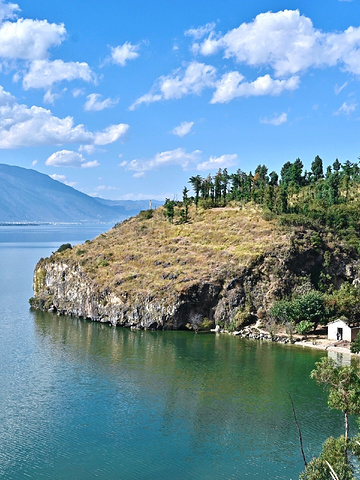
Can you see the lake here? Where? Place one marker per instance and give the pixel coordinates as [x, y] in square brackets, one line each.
[81, 400]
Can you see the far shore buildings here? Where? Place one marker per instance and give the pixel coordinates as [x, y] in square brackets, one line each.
[342, 330]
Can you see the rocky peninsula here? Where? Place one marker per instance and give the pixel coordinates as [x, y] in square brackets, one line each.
[225, 266]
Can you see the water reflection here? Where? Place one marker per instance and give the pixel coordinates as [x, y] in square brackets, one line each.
[210, 406]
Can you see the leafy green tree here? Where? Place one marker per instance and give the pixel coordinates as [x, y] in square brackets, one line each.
[317, 169]
[345, 301]
[184, 212]
[343, 386]
[330, 462]
[274, 178]
[312, 307]
[196, 182]
[304, 327]
[169, 212]
[336, 165]
[285, 311]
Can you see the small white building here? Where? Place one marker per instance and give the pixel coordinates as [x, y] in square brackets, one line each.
[341, 330]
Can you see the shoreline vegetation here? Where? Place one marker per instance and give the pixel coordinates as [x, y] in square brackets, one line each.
[317, 340]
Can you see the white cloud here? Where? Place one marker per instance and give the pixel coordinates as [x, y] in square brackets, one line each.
[8, 10]
[338, 89]
[147, 99]
[92, 164]
[77, 92]
[28, 39]
[89, 149]
[111, 134]
[122, 53]
[346, 108]
[224, 161]
[196, 77]
[62, 179]
[171, 157]
[287, 42]
[193, 80]
[68, 158]
[44, 73]
[34, 163]
[93, 103]
[65, 158]
[50, 97]
[183, 129]
[278, 120]
[201, 31]
[231, 86]
[21, 126]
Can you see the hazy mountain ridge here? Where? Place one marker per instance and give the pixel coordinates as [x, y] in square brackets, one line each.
[29, 196]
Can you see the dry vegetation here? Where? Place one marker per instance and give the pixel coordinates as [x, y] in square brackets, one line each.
[150, 256]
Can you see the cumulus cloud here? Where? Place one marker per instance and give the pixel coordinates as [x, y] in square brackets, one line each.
[44, 73]
[183, 129]
[346, 109]
[21, 126]
[178, 156]
[122, 53]
[68, 158]
[193, 80]
[224, 161]
[28, 39]
[278, 120]
[231, 85]
[95, 104]
[287, 42]
[65, 158]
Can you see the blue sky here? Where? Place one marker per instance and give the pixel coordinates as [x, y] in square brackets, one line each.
[127, 100]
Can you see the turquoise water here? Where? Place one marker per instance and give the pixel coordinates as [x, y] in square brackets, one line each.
[87, 401]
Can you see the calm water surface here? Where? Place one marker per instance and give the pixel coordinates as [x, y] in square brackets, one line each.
[87, 401]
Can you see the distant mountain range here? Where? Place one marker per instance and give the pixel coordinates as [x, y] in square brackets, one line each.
[29, 196]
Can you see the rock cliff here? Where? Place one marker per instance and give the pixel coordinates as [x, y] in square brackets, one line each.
[225, 267]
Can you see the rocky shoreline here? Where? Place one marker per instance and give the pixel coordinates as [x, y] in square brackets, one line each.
[313, 341]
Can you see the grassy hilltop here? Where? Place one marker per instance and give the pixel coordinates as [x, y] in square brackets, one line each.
[146, 254]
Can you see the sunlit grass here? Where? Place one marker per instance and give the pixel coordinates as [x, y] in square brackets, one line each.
[157, 258]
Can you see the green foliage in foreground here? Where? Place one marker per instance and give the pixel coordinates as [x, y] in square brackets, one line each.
[331, 457]
[336, 458]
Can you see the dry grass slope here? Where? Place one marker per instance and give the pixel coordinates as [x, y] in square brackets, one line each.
[155, 258]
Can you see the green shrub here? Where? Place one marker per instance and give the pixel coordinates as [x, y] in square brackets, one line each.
[63, 247]
[304, 327]
[355, 345]
[146, 214]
